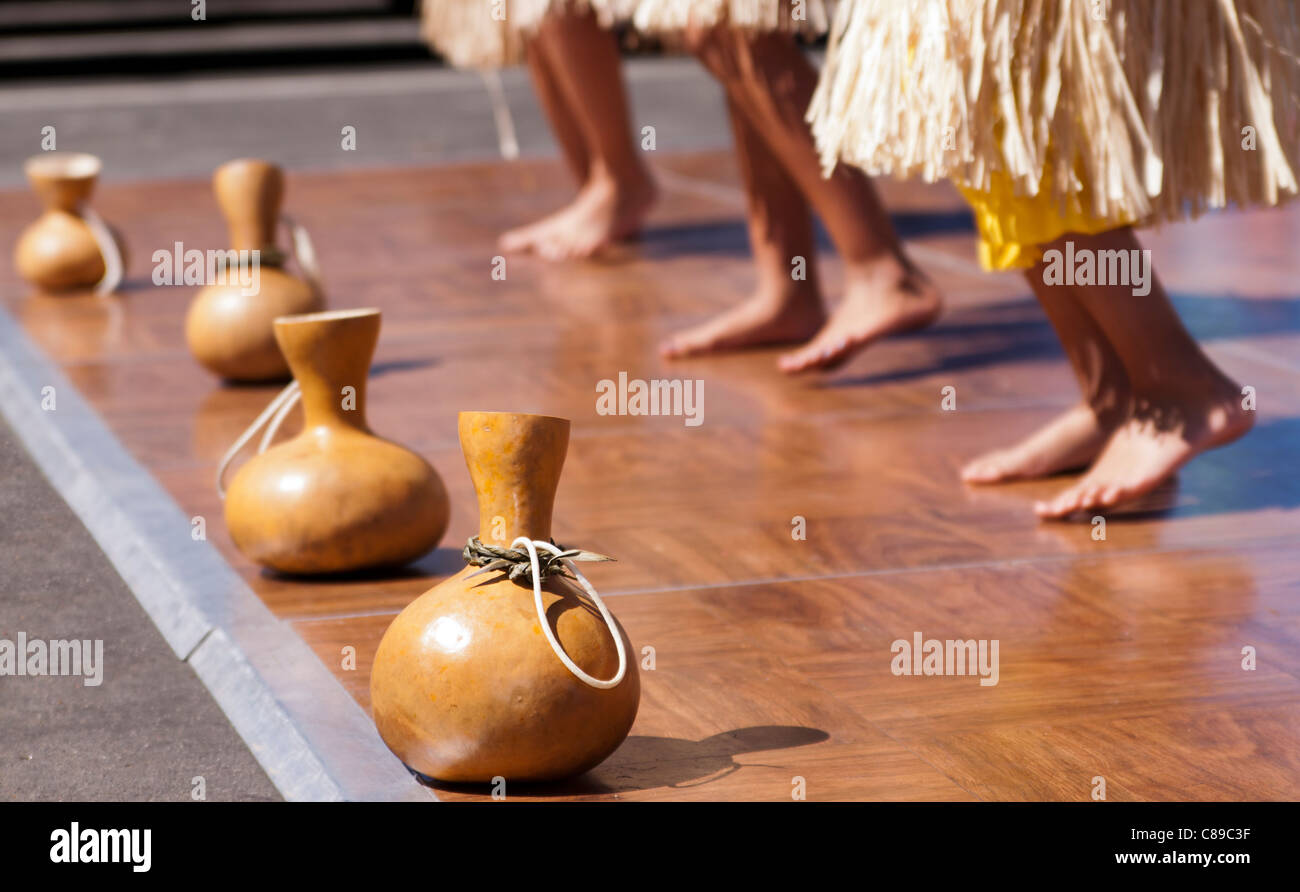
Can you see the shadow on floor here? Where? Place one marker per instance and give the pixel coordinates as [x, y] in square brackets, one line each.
[1253, 474]
[401, 365]
[1018, 331]
[644, 763]
[441, 562]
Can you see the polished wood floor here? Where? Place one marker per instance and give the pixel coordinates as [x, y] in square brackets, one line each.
[1119, 658]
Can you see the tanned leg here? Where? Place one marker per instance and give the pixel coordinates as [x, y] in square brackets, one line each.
[771, 81]
[555, 105]
[1180, 403]
[782, 309]
[1075, 438]
[583, 65]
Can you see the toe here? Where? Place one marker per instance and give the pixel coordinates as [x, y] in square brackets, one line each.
[683, 347]
[1089, 498]
[1065, 504]
[560, 248]
[1046, 509]
[818, 354]
[796, 361]
[516, 240]
[1061, 506]
[1085, 498]
[982, 470]
[837, 354]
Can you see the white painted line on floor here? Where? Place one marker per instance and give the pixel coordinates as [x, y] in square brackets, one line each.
[190, 90]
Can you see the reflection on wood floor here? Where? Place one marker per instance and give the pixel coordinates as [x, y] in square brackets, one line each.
[1119, 658]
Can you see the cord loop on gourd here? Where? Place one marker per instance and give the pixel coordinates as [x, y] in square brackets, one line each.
[512, 564]
[304, 251]
[114, 268]
[271, 418]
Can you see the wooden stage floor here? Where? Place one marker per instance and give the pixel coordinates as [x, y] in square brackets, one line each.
[1119, 658]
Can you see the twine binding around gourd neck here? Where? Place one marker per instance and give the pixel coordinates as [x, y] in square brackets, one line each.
[516, 564]
[114, 268]
[304, 251]
[301, 249]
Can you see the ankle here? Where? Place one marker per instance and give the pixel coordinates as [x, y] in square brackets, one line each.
[625, 182]
[886, 273]
[777, 291]
[1110, 400]
[1201, 386]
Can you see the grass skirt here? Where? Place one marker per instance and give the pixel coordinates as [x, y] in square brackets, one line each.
[792, 16]
[492, 33]
[1124, 110]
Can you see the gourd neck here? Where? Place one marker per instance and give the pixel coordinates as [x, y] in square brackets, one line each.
[515, 462]
[61, 206]
[63, 180]
[333, 401]
[269, 252]
[250, 193]
[329, 354]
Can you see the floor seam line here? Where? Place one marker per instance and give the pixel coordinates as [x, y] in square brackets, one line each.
[1198, 547]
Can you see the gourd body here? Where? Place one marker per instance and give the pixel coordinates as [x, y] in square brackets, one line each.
[335, 498]
[58, 251]
[465, 685]
[230, 332]
[228, 329]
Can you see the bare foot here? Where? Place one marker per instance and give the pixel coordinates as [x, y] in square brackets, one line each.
[605, 211]
[758, 322]
[1069, 441]
[1157, 439]
[873, 307]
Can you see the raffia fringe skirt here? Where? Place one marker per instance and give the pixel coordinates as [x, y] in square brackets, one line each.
[491, 33]
[1090, 113]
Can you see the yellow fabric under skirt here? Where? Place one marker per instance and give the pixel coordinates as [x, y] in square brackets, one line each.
[1153, 110]
[1014, 228]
